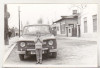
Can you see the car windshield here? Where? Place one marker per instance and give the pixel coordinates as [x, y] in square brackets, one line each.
[35, 29]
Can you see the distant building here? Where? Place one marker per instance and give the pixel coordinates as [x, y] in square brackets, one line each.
[40, 21]
[15, 32]
[68, 25]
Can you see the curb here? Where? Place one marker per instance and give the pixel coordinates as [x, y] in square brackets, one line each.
[8, 52]
[78, 38]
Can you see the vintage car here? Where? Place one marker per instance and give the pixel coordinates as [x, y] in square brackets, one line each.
[27, 41]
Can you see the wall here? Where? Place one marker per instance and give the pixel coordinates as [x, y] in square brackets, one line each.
[71, 21]
[66, 22]
[88, 12]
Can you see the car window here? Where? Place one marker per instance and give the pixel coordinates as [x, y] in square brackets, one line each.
[35, 29]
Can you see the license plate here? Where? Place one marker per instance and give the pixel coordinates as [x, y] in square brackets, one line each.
[33, 52]
[38, 46]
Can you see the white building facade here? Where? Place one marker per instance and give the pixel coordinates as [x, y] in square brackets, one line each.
[89, 21]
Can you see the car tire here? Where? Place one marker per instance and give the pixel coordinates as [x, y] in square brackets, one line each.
[21, 56]
[54, 54]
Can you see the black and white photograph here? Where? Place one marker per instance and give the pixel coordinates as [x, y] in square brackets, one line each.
[50, 34]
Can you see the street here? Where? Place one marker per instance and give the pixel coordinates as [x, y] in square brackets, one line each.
[70, 52]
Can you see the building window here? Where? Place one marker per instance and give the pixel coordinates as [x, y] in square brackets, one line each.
[94, 23]
[85, 25]
[63, 28]
[57, 28]
[71, 25]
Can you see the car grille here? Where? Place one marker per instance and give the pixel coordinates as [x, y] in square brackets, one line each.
[30, 45]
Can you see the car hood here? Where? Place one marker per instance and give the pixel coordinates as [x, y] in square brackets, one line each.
[33, 38]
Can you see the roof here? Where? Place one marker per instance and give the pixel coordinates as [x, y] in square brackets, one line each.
[71, 16]
[58, 20]
[67, 17]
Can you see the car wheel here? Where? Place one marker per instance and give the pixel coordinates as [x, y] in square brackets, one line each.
[21, 56]
[54, 54]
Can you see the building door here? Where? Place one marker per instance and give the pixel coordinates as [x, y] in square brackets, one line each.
[69, 31]
[72, 29]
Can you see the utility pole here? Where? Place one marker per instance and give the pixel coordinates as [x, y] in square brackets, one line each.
[6, 25]
[21, 26]
[19, 19]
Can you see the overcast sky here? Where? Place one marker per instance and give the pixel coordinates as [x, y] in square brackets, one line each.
[31, 13]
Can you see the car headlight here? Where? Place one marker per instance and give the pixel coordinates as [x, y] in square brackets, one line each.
[50, 42]
[22, 44]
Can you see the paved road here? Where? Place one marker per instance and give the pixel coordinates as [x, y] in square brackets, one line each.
[70, 52]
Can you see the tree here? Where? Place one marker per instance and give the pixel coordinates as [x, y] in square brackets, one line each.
[40, 21]
[27, 23]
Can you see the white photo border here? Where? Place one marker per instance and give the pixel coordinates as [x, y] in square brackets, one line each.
[2, 2]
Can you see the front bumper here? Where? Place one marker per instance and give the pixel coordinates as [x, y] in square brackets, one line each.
[33, 51]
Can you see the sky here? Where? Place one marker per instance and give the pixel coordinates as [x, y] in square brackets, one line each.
[31, 13]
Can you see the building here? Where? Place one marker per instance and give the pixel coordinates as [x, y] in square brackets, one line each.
[89, 21]
[82, 24]
[68, 25]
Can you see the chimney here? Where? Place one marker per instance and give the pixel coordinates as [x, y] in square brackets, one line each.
[74, 12]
